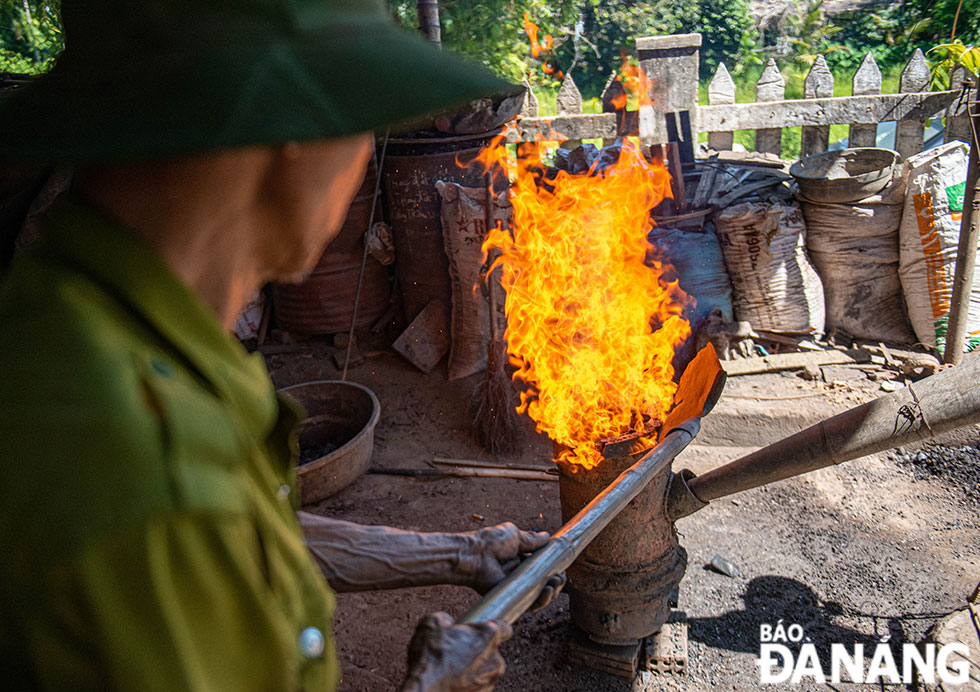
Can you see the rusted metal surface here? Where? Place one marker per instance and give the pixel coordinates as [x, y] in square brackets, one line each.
[411, 169]
[629, 443]
[618, 587]
[323, 303]
[512, 596]
[348, 240]
[942, 402]
[620, 660]
[342, 417]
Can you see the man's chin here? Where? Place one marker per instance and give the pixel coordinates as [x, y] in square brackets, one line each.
[297, 277]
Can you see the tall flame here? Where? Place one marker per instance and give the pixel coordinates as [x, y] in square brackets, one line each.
[541, 51]
[635, 84]
[591, 323]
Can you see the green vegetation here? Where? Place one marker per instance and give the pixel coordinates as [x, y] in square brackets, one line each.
[591, 38]
[30, 36]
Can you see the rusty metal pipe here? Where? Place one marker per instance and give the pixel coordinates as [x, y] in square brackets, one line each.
[942, 402]
[512, 596]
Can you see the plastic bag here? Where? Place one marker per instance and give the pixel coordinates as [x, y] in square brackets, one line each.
[928, 239]
[463, 230]
[775, 287]
[854, 248]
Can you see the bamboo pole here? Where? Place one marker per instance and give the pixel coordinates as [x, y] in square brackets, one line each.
[966, 252]
[942, 402]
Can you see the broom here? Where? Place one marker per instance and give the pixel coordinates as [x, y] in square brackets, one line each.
[493, 406]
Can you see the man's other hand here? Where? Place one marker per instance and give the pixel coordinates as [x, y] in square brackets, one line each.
[494, 553]
[446, 657]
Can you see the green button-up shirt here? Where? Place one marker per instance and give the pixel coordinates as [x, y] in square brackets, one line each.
[148, 539]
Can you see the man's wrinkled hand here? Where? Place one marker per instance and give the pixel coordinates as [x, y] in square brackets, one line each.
[497, 550]
[445, 657]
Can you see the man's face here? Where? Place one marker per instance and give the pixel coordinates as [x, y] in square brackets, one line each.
[311, 187]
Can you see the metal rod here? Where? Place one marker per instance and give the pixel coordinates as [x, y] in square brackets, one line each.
[379, 162]
[944, 401]
[515, 594]
[966, 252]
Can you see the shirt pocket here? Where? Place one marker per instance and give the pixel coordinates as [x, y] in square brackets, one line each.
[202, 445]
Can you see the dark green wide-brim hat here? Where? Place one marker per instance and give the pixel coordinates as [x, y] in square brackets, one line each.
[166, 78]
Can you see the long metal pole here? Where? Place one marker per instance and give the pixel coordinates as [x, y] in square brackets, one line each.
[966, 253]
[514, 595]
[379, 162]
[942, 402]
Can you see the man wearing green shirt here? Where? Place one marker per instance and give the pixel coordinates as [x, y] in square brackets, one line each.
[147, 508]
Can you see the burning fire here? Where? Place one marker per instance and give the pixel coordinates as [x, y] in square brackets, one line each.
[591, 326]
[541, 51]
[634, 84]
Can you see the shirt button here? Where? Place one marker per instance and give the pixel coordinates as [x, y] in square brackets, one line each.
[311, 642]
[162, 367]
[283, 491]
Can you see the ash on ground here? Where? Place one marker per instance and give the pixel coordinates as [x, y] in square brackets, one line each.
[957, 466]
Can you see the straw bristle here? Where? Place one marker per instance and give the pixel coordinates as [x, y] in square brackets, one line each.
[493, 406]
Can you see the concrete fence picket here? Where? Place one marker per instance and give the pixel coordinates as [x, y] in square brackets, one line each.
[669, 65]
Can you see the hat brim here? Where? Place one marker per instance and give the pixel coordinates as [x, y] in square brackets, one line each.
[342, 79]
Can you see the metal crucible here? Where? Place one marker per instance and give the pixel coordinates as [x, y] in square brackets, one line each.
[619, 586]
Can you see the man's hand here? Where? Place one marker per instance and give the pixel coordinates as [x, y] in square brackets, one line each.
[361, 558]
[445, 657]
[494, 553]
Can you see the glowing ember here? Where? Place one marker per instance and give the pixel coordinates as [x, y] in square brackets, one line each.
[581, 299]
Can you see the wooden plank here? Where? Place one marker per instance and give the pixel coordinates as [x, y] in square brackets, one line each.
[770, 87]
[721, 92]
[669, 77]
[426, 340]
[819, 83]
[909, 132]
[866, 81]
[562, 127]
[676, 176]
[671, 42]
[793, 361]
[841, 109]
[569, 99]
[706, 185]
[862, 110]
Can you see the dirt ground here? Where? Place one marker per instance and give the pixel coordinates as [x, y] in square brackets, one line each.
[884, 545]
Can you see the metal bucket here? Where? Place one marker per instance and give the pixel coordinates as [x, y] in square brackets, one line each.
[342, 415]
[411, 169]
[323, 303]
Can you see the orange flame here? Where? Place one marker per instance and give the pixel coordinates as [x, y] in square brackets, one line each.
[591, 325]
[541, 51]
[635, 84]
